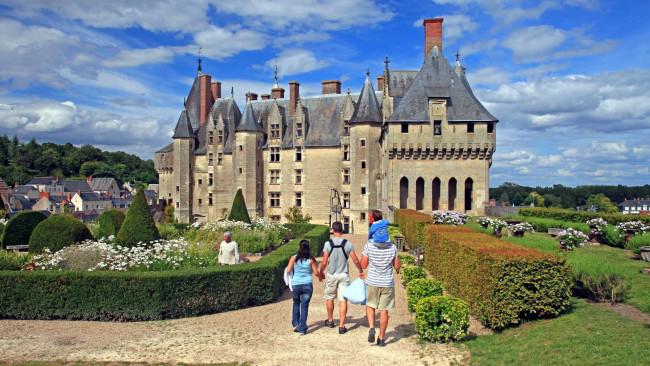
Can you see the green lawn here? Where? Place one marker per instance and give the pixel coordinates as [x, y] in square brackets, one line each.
[587, 335]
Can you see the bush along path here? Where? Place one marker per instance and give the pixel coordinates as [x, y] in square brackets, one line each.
[261, 335]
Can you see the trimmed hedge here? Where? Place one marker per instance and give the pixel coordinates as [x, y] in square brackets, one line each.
[20, 227]
[442, 318]
[132, 296]
[420, 288]
[56, 233]
[412, 272]
[412, 224]
[579, 216]
[110, 223]
[138, 225]
[298, 230]
[238, 211]
[503, 283]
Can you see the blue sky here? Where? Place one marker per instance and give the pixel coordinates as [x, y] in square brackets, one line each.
[568, 80]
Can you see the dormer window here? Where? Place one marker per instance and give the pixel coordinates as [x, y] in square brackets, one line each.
[298, 130]
[298, 153]
[346, 152]
[275, 154]
[346, 128]
[220, 136]
[210, 137]
[275, 131]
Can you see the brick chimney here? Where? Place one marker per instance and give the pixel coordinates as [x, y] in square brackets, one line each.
[206, 97]
[277, 93]
[432, 35]
[331, 87]
[216, 90]
[266, 96]
[380, 83]
[253, 96]
[44, 194]
[294, 95]
[89, 179]
[69, 196]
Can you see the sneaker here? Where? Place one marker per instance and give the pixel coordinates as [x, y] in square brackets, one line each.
[381, 342]
[371, 335]
[303, 333]
[295, 329]
[343, 330]
[329, 323]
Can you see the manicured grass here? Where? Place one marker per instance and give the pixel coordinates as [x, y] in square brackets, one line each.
[587, 335]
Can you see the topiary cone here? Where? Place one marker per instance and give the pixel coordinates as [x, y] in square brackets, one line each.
[138, 225]
[238, 212]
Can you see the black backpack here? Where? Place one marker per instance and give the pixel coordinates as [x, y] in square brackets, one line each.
[342, 246]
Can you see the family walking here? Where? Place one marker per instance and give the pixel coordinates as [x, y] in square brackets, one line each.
[379, 257]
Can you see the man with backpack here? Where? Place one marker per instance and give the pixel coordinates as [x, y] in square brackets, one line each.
[335, 258]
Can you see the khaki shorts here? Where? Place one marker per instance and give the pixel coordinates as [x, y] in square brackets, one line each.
[334, 282]
[381, 298]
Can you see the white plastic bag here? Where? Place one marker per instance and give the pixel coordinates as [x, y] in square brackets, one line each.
[356, 292]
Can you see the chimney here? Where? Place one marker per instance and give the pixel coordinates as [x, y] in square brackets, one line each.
[89, 179]
[79, 192]
[331, 87]
[216, 90]
[294, 95]
[432, 35]
[44, 194]
[277, 93]
[69, 196]
[463, 68]
[206, 97]
[253, 96]
[380, 83]
[266, 96]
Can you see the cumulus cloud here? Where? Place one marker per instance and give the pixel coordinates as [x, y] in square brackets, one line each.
[137, 57]
[219, 43]
[455, 26]
[491, 75]
[295, 61]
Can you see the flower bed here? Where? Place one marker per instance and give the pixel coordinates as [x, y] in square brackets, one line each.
[571, 238]
[578, 216]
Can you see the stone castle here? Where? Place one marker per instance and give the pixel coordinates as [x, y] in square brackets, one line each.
[421, 141]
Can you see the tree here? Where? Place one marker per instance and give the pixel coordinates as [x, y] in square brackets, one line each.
[88, 168]
[504, 198]
[295, 216]
[238, 212]
[138, 225]
[169, 214]
[517, 199]
[48, 161]
[57, 232]
[534, 198]
[603, 203]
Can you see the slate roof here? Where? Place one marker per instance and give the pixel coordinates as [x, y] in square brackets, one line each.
[248, 121]
[193, 103]
[119, 201]
[75, 185]
[102, 184]
[436, 79]
[228, 110]
[91, 196]
[22, 190]
[25, 203]
[36, 181]
[634, 203]
[367, 108]
[183, 126]
[399, 81]
[166, 149]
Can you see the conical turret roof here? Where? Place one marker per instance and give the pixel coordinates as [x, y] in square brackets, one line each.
[248, 122]
[367, 109]
[183, 127]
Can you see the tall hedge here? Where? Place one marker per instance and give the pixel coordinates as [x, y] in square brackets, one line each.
[110, 223]
[20, 227]
[413, 225]
[110, 296]
[138, 225]
[580, 216]
[57, 232]
[238, 212]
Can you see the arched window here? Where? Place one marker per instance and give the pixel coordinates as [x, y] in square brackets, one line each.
[452, 194]
[435, 194]
[403, 192]
[469, 193]
[419, 194]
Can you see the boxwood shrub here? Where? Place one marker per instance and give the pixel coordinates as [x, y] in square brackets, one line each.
[135, 296]
[57, 232]
[420, 288]
[442, 319]
[412, 272]
[110, 223]
[138, 225]
[238, 211]
[413, 224]
[20, 227]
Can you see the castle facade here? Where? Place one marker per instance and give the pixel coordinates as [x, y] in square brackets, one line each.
[421, 141]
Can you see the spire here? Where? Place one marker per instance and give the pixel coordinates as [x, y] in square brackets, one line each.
[232, 92]
[367, 109]
[199, 59]
[276, 75]
[183, 127]
[457, 66]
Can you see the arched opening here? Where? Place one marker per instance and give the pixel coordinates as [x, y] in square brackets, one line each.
[469, 193]
[435, 194]
[452, 194]
[403, 192]
[419, 194]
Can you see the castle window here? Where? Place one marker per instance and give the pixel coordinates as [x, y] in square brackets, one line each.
[346, 176]
[275, 199]
[275, 177]
[275, 218]
[220, 136]
[200, 201]
[178, 189]
[210, 159]
[346, 200]
[219, 158]
[437, 128]
[298, 176]
[177, 205]
[346, 152]
[275, 131]
[241, 170]
[363, 216]
[298, 130]
[241, 147]
[210, 199]
[298, 153]
[210, 180]
[363, 165]
[346, 128]
[470, 128]
[200, 181]
[363, 190]
[490, 128]
[362, 142]
[298, 199]
[405, 128]
[210, 137]
[275, 154]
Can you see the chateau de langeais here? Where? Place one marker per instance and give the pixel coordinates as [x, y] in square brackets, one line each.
[421, 141]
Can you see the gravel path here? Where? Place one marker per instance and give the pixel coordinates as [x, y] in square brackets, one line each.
[261, 335]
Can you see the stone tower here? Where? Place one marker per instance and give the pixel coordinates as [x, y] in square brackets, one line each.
[184, 140]
[247, 161]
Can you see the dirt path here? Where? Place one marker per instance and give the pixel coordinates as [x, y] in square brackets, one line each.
[261, 335]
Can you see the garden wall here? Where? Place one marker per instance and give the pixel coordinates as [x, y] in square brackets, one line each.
[131, 296]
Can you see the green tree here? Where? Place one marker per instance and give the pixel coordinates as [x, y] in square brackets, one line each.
[295, 216]
[88, 168]
[534, 198]
[138, 226]
[517, 199]
[603, 203]
[238, 212]
[48, 161]
[169, 214]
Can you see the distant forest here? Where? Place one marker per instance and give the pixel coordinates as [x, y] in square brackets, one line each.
[20, 162]
[566, 197]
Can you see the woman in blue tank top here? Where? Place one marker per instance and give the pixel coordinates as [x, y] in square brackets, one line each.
[303, 265]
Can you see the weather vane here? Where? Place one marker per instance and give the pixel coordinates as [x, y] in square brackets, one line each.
[200, 48]
[457, 54]
[368, 72]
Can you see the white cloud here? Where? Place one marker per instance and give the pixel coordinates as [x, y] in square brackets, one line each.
[219, 43]
[455, 26]
[478, 47]
[534, 43]
[295, 61]
[491, 75]
[137, 57]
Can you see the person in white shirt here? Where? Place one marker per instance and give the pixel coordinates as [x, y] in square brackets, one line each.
[228, 250]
